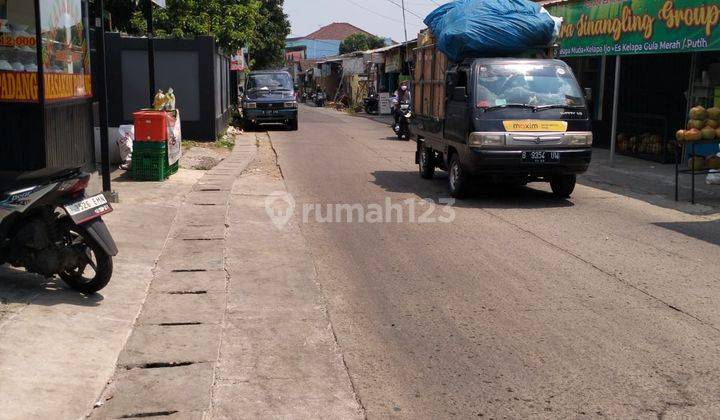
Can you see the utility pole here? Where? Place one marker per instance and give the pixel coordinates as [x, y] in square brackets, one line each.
[404, 21]
[102, 100]
[151, 49]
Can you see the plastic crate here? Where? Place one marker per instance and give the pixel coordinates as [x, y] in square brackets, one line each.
[149, 147]
[149, 167]
[150, 162]
[151, 126]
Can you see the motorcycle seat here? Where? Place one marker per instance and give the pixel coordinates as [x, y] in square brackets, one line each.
[10, 181]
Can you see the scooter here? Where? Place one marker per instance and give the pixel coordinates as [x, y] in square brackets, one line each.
[303, 97]
[402, 127]
[49, 227]
[371, 104]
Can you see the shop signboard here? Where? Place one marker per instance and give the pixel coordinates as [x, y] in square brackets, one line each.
[66, 58]
[237, 61]
[623, 27]
[384, 103]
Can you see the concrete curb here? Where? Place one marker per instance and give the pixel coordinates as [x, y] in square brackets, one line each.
[167, 365]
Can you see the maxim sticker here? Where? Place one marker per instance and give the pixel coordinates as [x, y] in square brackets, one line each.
[535, 125]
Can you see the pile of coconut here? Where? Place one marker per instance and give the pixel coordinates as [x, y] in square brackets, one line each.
[704, 124]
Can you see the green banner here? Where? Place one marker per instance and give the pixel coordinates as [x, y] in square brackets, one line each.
[618, 27]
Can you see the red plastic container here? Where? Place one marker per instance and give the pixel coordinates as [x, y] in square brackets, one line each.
[151, 126]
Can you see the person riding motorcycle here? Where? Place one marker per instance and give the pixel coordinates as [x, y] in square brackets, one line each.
[402, 95]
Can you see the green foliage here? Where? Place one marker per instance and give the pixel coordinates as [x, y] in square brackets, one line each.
[260, 25]
[267, 50]
[361, 42]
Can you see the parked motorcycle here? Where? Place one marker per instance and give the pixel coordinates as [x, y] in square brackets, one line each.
[371, 104]
[303, 97]
[319, 99]
[49, 227]
[402, 127]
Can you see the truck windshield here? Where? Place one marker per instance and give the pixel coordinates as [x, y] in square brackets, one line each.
[270, 81]
[536, 86]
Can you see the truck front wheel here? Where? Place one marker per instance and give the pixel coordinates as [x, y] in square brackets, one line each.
[427, 162]
[563, 185]
[457, 177]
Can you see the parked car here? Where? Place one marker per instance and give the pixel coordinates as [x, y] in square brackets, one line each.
[523, 120]
[269, 98]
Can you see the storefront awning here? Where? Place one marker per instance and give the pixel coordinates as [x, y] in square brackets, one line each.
[615, 27]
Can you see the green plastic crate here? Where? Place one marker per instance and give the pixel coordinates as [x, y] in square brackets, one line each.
[150, 147]
[150, 162]
[149, 167]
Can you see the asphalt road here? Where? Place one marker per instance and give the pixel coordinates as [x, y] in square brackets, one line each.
[524, 305]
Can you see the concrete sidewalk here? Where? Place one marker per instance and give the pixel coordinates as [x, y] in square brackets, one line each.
[58, 348]
[234, 325]
[651, 182]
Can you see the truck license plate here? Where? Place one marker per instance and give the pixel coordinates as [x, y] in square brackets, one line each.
[88, 209]
[540, 157]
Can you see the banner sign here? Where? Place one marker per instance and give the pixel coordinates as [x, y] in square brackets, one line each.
[237, 61]
[23, 86]
[174, 137]
[620, 27]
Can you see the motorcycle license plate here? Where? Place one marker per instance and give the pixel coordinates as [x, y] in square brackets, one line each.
[540, 157]
[88, 209]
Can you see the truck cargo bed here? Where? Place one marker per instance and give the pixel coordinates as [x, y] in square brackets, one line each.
[429, 81]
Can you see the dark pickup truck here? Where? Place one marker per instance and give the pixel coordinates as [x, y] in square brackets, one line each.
[269, 98]
[509, 119]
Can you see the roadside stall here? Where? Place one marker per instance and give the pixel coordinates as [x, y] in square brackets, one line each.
[646, 64]
[45, 93]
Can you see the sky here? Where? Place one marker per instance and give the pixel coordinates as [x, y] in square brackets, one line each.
[379, 17]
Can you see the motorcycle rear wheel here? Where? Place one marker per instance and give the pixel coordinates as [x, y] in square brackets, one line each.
[101, 267]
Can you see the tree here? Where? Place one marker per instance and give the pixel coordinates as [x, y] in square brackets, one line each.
[361, 42]
[260, 25]
[267, 49]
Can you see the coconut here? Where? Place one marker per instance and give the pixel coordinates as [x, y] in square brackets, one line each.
[697, 163]
[712, 162]
[693, 134]
[698, 113]
[712, 123]
[697, 124]
[708, 133]
[713, 113]
[680, 135]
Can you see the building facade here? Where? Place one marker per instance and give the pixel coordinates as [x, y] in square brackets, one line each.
[665, 57]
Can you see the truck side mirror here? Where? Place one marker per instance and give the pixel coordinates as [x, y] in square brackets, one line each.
[459, 94]
[588, 94]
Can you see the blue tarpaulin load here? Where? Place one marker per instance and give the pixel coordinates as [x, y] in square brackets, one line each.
[473, 28]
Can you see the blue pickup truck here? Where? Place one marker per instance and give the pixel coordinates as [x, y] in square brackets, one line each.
[269, 98]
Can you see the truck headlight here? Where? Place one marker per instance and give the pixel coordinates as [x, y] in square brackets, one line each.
[292, 104]
[486, 140]
[250, 105]
[579, 139]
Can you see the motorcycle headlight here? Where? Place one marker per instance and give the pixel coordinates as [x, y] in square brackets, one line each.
[578, 139]
[486, 140]
[250, 105]
[292, 104]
